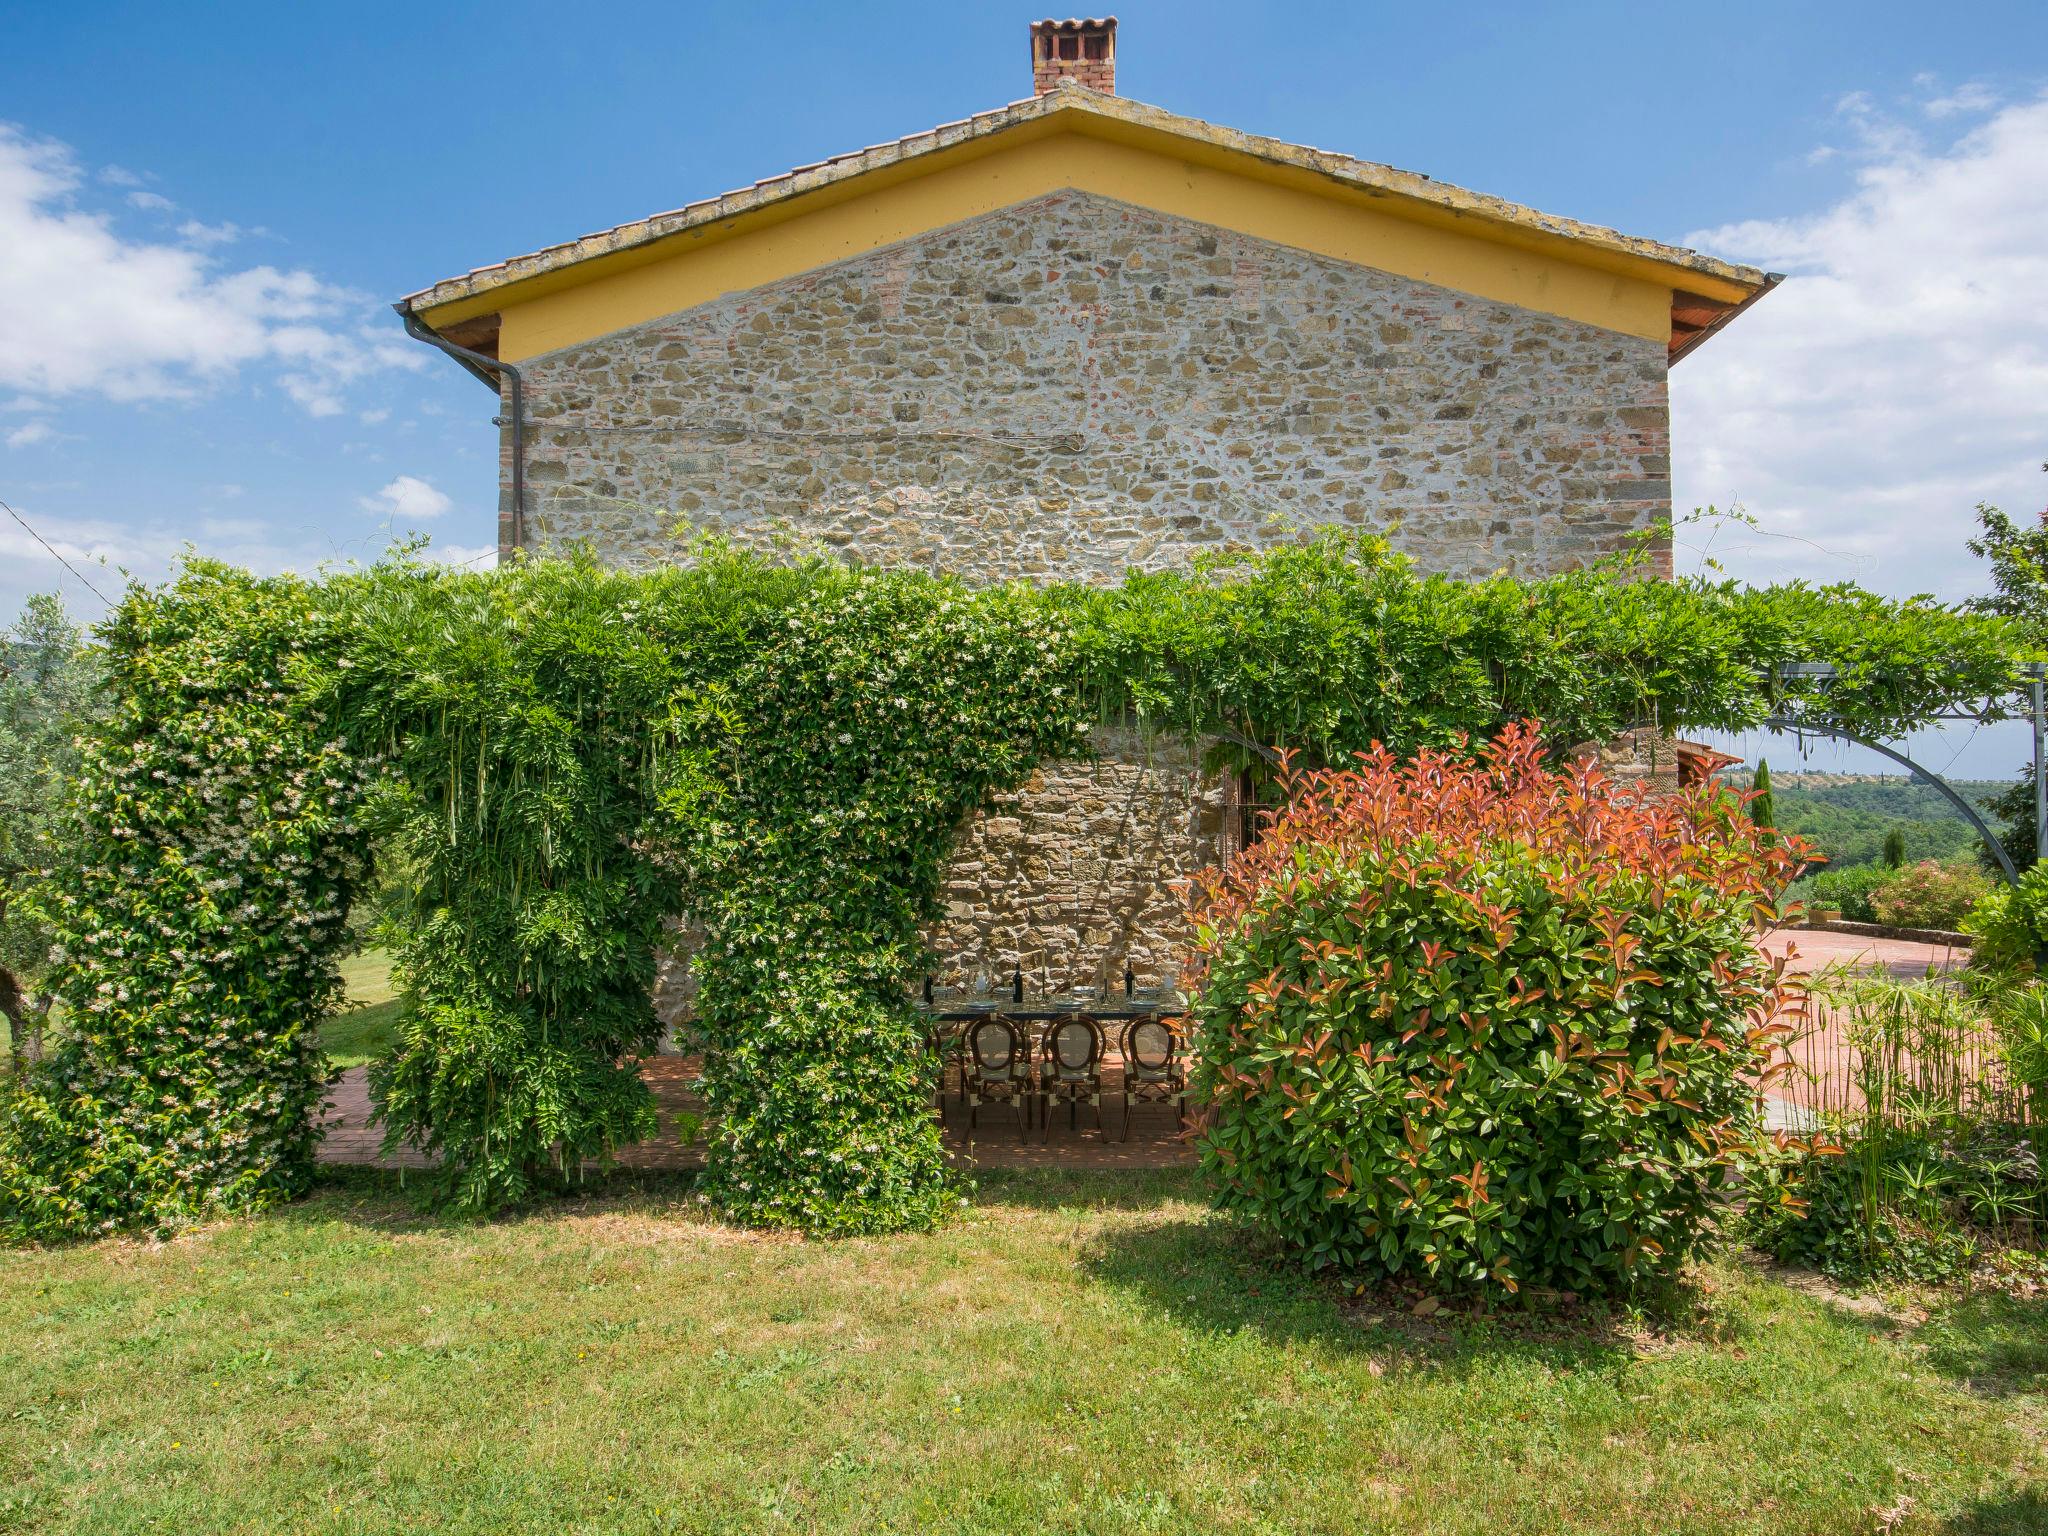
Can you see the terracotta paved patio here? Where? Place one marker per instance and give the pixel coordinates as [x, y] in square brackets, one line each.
[1815, 948]
[1822, 1050]
[349, 1137]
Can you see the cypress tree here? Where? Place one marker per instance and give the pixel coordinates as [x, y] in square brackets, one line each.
[1760, 809]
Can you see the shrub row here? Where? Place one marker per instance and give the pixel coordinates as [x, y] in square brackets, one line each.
[1923, 895]
[217, 844]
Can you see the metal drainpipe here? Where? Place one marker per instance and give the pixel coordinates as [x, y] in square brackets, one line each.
[481, 365]
[2034, 672]
[2040, 768]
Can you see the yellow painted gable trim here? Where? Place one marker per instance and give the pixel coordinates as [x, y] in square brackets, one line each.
[1345, 223]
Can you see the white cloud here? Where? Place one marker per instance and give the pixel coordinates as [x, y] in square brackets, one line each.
[323, 362]
[29, 435]
[474, 556]
[408, 497]
[1899, 376]
[97, 548]
[85, 310]
[1964, 101]
[226, 232]
[107, 552]
[150, 202]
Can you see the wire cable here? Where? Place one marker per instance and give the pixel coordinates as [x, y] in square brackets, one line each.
[95, 591]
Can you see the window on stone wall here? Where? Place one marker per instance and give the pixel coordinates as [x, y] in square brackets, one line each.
[1248, 808]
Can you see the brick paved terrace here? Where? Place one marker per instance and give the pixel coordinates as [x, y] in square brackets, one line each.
[350, 1138]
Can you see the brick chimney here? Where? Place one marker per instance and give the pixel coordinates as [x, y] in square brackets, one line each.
[1081, 51]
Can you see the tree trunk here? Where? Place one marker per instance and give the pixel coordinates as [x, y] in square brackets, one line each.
[24, 1020]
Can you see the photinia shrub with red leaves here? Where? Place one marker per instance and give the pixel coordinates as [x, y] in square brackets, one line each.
[1486, 1022]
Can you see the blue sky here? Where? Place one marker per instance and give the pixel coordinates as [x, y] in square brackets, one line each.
[205, 211]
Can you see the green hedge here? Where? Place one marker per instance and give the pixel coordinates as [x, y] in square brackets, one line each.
[573, 757]
[1849, 889]
[1923, 895]
[202, 902]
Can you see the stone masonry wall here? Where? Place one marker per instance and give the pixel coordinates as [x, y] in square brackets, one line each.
[1073, 876]
[1069, 878]
[1066, 389]
[1074, 386]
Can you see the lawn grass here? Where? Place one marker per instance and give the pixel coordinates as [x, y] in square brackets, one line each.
[1079, 1353]
[364, 1030]
[361, 1032]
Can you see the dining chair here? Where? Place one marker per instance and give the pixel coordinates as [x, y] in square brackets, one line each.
[995, 1068]
[1155, 1071]
[1072, 1071]
[947, 1039]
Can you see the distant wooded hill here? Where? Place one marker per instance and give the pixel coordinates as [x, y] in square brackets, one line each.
[1846, 815]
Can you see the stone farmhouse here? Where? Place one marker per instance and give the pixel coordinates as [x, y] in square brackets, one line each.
[1065, 338]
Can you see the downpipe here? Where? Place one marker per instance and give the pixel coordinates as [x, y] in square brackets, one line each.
[490, 369]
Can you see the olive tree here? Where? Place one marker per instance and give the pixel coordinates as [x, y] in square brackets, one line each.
[49, 682]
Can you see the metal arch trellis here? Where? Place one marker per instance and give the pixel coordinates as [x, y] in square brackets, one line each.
[1822, 671]
[1825, 671]
[1784, 723]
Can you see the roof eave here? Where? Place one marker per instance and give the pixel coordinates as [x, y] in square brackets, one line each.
[1426, 198]
[1684, 349]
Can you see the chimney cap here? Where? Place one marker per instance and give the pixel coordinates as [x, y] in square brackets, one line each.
[1079, 50]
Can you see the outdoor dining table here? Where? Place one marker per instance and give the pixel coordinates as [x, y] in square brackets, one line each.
[1046, 1010]
[952, 1018]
